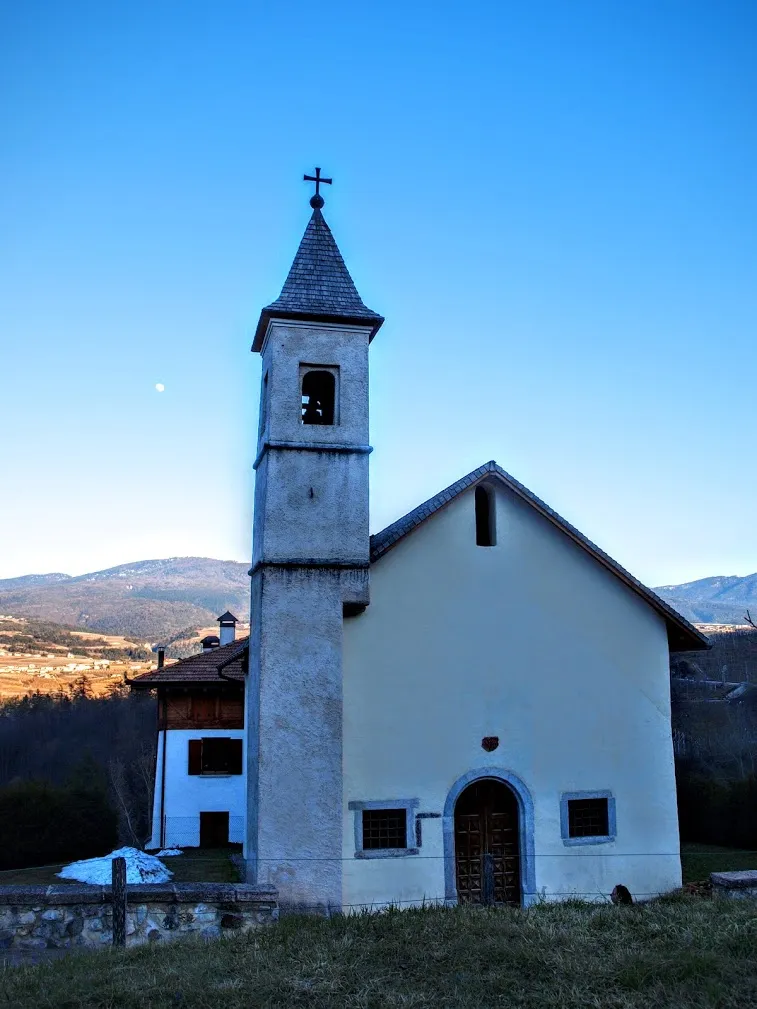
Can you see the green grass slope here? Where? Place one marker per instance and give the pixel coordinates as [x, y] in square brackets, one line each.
[674, 953]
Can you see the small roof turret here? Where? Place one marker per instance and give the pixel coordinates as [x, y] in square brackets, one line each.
[209, 642]
[227, 618]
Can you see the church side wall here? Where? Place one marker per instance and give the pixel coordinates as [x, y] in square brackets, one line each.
[531, 641]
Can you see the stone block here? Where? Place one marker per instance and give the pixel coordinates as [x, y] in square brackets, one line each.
[22, 895]
[36, 943]
[153, 935]
[742, 880]
[151, 893]
[230, 920]
[79, 893]
[211, 932]
[74, 926]
[7, 937]
[53, 914]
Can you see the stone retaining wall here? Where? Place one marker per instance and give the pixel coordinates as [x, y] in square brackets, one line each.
[65, 916]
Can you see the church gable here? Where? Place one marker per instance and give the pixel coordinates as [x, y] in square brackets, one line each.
[531, 584]
[681, 634]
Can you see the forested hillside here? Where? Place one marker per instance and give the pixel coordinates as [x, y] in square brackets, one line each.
[73, 742]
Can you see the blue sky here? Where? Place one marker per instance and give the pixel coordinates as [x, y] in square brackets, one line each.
[553, 204]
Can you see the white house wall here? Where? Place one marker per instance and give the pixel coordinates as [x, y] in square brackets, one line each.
[532, 641]
[187, 795]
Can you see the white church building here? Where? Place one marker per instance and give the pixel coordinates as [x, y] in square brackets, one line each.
[472, 705]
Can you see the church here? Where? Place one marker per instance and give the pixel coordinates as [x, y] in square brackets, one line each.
[472, 705]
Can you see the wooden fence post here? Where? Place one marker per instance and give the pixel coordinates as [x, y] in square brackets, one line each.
[488, 880]
[119, 901]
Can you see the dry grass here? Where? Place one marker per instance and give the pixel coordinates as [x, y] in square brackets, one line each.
[670, 954]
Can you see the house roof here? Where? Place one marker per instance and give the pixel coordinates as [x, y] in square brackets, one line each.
[319, 286]
[201, 668]
[227, 618]
[682, 636]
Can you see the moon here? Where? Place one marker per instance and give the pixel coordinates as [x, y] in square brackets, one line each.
[160, 387]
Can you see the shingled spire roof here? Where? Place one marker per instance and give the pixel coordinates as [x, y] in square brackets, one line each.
[319, 286]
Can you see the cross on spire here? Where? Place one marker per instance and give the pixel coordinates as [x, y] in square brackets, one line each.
[316, 202]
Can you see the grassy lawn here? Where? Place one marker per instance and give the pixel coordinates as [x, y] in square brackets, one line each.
[675, 953]
[699, 860]
[196, 865]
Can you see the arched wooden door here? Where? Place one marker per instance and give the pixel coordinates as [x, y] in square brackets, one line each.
[487, 850]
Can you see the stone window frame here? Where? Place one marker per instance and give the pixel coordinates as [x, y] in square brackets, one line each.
[409, 805]
[612, 829]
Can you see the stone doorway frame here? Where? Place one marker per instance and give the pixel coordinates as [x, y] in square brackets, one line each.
[525, 830]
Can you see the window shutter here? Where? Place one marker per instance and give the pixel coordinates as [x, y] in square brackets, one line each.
[195, 756]
[235, 756]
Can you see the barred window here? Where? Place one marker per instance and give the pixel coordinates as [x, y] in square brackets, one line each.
[384, 828]
[587, 818]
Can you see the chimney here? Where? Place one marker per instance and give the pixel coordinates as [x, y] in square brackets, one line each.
[161, 657]
[209, 642]
[228, 630]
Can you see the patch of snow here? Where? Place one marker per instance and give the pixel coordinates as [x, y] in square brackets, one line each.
[140, 868]
[165, 852]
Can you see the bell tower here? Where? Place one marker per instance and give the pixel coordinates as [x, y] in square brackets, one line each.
[310, 561]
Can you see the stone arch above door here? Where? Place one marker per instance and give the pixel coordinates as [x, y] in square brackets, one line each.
[525, 828]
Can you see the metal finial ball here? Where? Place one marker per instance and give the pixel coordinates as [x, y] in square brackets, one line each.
[316, 202]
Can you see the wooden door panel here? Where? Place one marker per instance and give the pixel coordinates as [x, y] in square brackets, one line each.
[486, 825]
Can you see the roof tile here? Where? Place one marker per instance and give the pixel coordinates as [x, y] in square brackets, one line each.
[318, 285]
[200, 668]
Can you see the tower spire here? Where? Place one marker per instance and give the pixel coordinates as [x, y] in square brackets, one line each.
[319, 285]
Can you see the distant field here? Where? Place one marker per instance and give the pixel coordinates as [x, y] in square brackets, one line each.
[48, 657]
[35, 655]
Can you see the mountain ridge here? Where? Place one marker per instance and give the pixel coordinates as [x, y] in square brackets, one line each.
[148, 599]
[154, 599]
[720, 599]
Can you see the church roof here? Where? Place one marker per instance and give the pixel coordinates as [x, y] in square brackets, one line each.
[682, 636]
[201, 668]
[319, 286]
